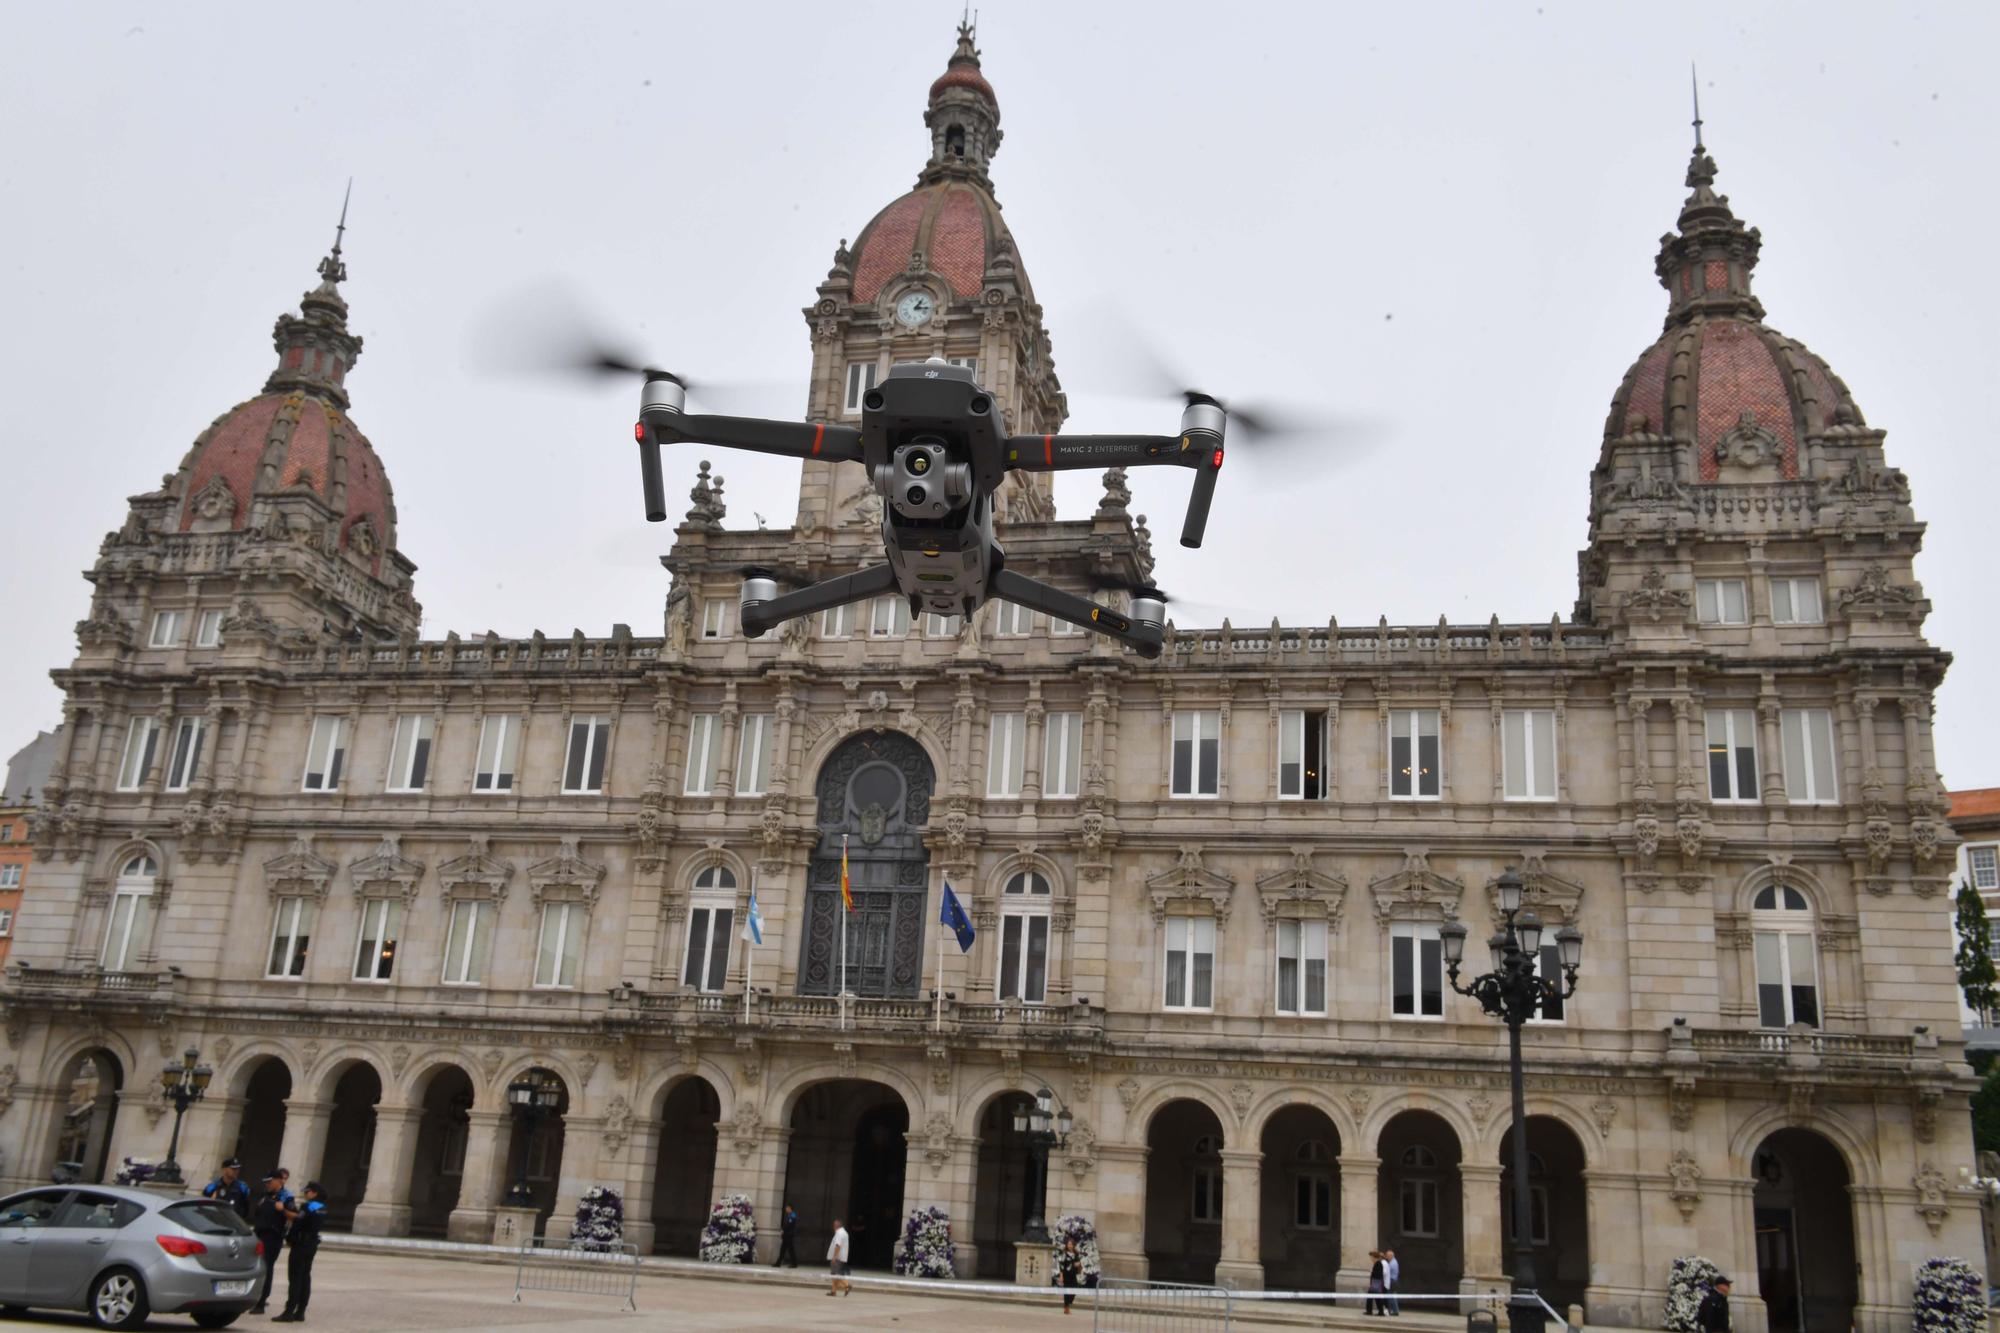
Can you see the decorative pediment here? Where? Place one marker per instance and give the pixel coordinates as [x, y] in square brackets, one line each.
[565, 877]
[386, 870]
[1416, 892]
[1301, 891]
[213, 508]
[1555, 899]
[1654, 600]
[1190, 884]
[476, 874]
[299, 872]
[1878, 597]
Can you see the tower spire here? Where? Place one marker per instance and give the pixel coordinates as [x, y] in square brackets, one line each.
[333, 268]
[1694, 81]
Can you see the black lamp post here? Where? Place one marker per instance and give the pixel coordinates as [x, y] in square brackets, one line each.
[184, 1082]
[1046, 1122]
[534, 1096]
[1512, 993]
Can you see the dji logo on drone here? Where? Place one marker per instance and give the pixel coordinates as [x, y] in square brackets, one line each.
[930, 374]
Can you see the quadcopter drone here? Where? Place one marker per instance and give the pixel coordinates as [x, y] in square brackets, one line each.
[932, 442]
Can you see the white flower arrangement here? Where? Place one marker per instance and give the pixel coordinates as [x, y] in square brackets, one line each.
[731, 1234]
[1075, 1227]
[927, 1250]
[1950, 1297]
[600, 1220]
[1690, 1280]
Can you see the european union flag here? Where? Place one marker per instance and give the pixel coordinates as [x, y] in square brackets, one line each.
[953, 915]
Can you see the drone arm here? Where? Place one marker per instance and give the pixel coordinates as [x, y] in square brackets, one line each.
[787, 439]
[1038, 596]
[1060, 453]
[758, 617]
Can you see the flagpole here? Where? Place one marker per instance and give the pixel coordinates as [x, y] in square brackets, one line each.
[749, 946]
[940, 973]
[845, 910]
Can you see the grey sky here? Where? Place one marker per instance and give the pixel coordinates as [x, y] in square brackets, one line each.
[1439, 218]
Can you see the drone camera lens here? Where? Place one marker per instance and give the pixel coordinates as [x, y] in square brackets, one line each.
[920, 463]
[873, 401]
[916, 495]
[980, 402]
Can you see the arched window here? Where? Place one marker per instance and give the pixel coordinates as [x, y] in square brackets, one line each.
[1312, 1191]
[1418, 1197]
[1787, 957]
[1024, 939]
[954, 141]
[1205, 1187]
[711, 917]
[128, 931]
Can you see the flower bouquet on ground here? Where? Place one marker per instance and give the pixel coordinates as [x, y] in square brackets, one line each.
[600, 1220]
[1690, 1280]
[136, 1171]
[731, 1234]
[926, 1250]
[1074, 1227]
[1950, 1298]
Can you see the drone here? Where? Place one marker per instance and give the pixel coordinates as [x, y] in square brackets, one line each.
[936, 451]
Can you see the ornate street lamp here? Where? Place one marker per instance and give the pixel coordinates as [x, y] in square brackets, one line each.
[1046, 1123]
[1513, 993]
[184, 1082]
[535, 1095]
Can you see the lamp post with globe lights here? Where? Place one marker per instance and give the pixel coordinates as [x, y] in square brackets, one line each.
[535, 1096]
[184, 1082]
[1514, 992]
[1046, 1122]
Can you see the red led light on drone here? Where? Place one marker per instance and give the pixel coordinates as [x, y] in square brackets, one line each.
[1218, 459]
[639, 431]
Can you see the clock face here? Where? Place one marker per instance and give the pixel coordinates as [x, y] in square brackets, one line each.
[915, 309]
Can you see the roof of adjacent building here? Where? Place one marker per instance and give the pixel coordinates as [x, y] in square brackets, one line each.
[1975, 808]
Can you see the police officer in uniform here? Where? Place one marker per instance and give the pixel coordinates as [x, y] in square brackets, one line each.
[268, 1218]
[230, 1188]
[308, 1220]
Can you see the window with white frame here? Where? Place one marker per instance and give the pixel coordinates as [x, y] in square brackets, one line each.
[1302, 967]
[468, 942]
[1062, 755]
[559, 945]
[1006, 754]
[1064, 628]
[499, 753]
[208, 629]
[1197, 766]
[1302, 754]
[10, 877]
[326, 754]
[142, 739]
[754, 740]
[711, 922]
[1413, 755]
[1787, 957]
[860, 379]
[940, 627]
[714, 617]
[971, 363]
[167, 628]
[1416, 971]
[6, 922]
[1732, 755]
[1205, 1183]
[1721, 602]
[381, 932]
[128, 927]
[1528, 745]
[1795, 602]
[291, 937]
[888, 618]
[1417, 1197]
[1190, 963]
[1011, 619]
[1808, 737]
[1024, 940]
[184, 755]
[410, 752]
[702, 738]
[1312, 1186]
[1984, 862]
[837, 622]
[589, 744]
[1548, 967]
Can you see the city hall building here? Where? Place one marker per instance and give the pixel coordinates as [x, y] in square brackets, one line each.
[376, 879]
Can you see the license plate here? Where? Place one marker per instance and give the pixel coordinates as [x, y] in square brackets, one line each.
[241, 1288]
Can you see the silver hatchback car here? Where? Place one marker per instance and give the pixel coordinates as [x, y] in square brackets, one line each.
[121, 1254]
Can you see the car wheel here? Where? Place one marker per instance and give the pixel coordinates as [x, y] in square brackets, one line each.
[215, 1318]
[118, 1300]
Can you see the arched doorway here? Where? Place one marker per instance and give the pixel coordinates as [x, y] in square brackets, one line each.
[535, 1147]
[1560, 1243]
[874, 799]
[1000, 1193]
[1183, 1193]
[1301, 1200]
[90, 1086]
[845, 1160]
[1805, 1232]
[684, 1175]
[350, 1142]
[1420, 1200]
[260, 1133]
[437, 1170]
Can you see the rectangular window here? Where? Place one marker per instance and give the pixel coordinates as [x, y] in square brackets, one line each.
[1062, 755]
[167, 628]
[326, 755]
[753, 754]
[10, 877]
[1024, 957]
[1197, 754]
[1985, 863]
[208, 629]
[1528, 740]
[1302, 967]
[410, 753]
[1302, 755]
[560, 945]
[141, 740]
[499, 753]
[184, 757]
[1006, 754]
[860, 379]
[1808, 736]
[940, 627]
[1413, 754]
[971, 363]
[291, 937]
[1190, 970]
[1064, 628]
[127, 930]
[1732, 755]
[709, 933]
[381, 928]
[1416, 972]
[1419, 1212]
[889, 618]
[1010, 619]
[589, 741]
[1548, 967]
[1721, 602]
[1787, 979]
[1795, 602]
[714, 615]
[6, 922]
[837, 622]
[1538, 1213]
[1312, 1201]
[468, 943]
[1205, 1192]
[701, 755]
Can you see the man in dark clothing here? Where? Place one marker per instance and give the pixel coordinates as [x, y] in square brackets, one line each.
[1713, 1316]
[230, 1188]
[308, 1218]
[268, 1219]
[788, 1240]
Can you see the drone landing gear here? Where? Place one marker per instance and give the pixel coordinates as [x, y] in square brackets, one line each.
[759, 616]
[1147, 639]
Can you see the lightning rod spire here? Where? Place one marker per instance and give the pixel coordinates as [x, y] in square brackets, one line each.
[1694, 83]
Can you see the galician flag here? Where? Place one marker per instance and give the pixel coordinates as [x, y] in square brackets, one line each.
[846, 893]
[753, 921]
[952, 916]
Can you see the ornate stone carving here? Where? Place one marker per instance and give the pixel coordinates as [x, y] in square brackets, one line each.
[1557, 899]
[1689, 830]
[1685, 1173]
[1680, 1103]
[1239, 1098]
[843, 1058]
[386, 868]
[477, 873]
[586, 1065]
[299, 872]
[937, 1139]
[1480, 1107]
[565, 877]
[746, 1127]
[1880, 840]
[399, 1060]
[617, 1126]
[1924, 836]
[222, 1046]
[1799, 1103]
[1933, 1202]
[1128, 1093]
[1646, 838]
[1416, 892]
[1082, 1150]
[7, 1082]
[309, 1056]
[1924, 1113]
[491, 1062]
[1190, 884]
[1654, 600]
[1301, 890]
[1357, 1102]
[1875, 596]
[1748, 451]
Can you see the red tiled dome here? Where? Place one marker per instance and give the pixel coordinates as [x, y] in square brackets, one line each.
[964, 74]
[955, 225]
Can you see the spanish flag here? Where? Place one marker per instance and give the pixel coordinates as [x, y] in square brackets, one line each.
[846, 893]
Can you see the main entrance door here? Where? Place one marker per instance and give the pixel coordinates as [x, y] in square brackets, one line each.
[875, 796]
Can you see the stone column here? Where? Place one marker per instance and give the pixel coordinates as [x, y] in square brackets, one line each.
[582, 1143]
[31, 1155]
[1360, 1216]
[305, 1139]
[1770, 738]
[1242, 1261]
[1482, 1230]
[210, 1134]
[385, 1211]
[486, 1137]
[1121, 1209]
[640, 1157]
[1734, 1250]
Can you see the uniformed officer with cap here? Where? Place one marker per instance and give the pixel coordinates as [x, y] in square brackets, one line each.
[230, 1188]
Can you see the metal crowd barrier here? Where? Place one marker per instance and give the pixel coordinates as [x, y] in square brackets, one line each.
[560, 1266]
[1125, 1305]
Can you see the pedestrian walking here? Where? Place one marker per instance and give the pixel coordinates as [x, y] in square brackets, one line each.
[268, 1219]
[1392, 1281]
[308, 1219]
[1713, 1316]
[1377, 1279]
[836, 1258]
[788, 1237]
[230, 1188]
[1069, 1272]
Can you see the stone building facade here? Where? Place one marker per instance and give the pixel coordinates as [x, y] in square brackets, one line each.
[376, 878]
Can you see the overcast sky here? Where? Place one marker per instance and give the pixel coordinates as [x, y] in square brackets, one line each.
[1441, 219]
